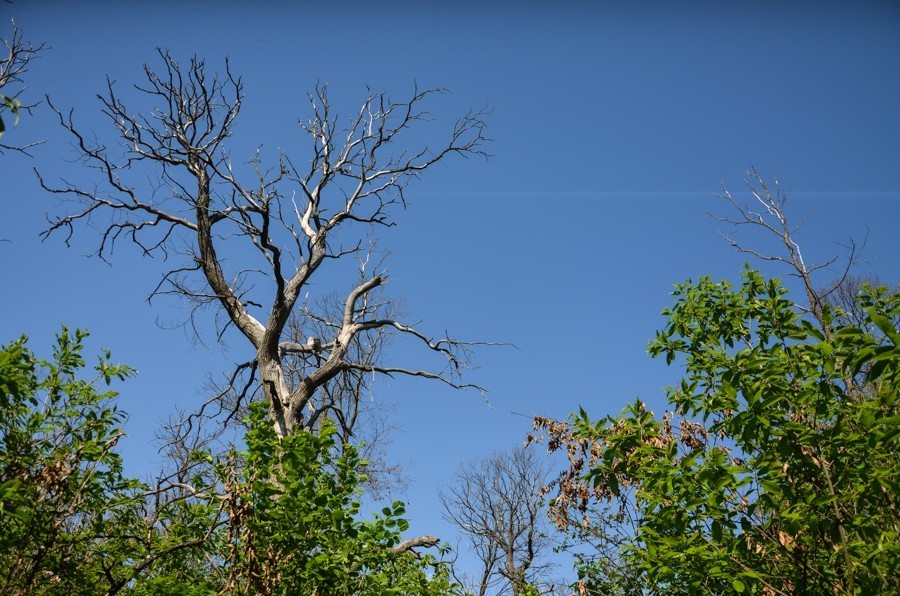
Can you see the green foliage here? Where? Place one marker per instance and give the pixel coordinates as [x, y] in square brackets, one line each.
[13, 105]
[281, 517]
[777, 471]
[294, 524]
[61, 483]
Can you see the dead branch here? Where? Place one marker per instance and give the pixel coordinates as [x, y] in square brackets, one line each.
[421, 541]
[13, 67]
[771, 217]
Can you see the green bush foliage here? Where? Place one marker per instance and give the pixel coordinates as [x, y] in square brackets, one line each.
[277, 517]
[777, 470]
[62, 488]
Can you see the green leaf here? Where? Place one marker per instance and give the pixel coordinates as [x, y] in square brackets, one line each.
[886, 326]
[738, 586]
[717, 531]
[867, 419]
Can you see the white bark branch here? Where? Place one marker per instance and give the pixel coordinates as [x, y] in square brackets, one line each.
[421, 541]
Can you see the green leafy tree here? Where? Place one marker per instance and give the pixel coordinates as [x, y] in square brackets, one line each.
[61, 482]
[777, 470]
[289, 523]
[294, 522]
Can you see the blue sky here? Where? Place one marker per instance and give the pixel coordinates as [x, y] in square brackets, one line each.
[613, 125]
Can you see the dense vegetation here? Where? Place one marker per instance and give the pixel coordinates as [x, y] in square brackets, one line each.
[279, 516]
[776, 470]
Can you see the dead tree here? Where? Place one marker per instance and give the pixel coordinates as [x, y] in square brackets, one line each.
[769, 214]
[497, 504]
[13, 66]
[278, 224]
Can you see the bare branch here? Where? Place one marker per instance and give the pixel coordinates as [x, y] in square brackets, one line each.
[772, 218]
[421, 541]
[391, 371]
[13, 67]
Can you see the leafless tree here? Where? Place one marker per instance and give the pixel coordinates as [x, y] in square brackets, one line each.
[841, 295]
[277, 225]
[13, 66]
[497, 505]
[769, 214]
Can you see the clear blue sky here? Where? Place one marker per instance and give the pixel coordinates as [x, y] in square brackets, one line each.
[613, 126]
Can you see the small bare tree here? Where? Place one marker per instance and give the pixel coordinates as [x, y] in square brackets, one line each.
[278, 224]
[497, 505]
[13, 66]
[769, 215]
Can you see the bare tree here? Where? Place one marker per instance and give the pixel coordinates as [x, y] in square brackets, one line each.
[497, 505]
[841, 295]
[13, 66]
[770, 215]
[278, 224]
